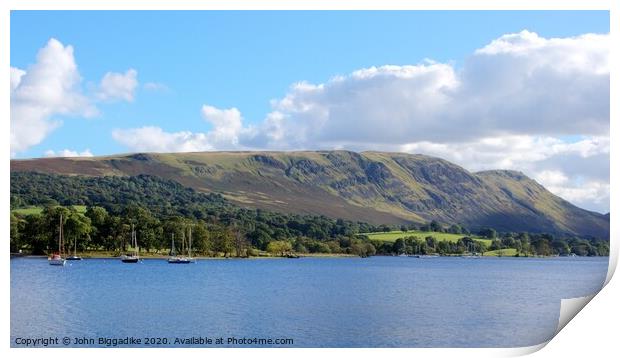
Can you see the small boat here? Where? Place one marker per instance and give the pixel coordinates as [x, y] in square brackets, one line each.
[174, 259]
[132, 258]
[56, 258]
[180, 260]
[74, 257]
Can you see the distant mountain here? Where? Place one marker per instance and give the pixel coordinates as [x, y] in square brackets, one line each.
[375, 187]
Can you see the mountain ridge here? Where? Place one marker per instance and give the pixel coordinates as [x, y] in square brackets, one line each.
[371, 186]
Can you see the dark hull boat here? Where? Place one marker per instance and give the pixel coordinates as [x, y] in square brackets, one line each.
[73, 258]
[130, 259]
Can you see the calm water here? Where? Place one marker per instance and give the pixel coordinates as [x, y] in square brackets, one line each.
[333, 302]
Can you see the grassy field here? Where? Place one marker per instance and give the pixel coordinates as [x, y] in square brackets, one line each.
[504, 252]
[440, 236]
[37, 210]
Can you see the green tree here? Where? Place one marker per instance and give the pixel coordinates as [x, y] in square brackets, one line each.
[99, 230]
[223, 240]
[77, 229]
[279, 247]
[15, 235]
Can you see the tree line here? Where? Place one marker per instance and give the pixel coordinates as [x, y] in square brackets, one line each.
[160, 208]
[524, 244]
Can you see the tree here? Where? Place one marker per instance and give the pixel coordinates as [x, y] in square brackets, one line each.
[279, 247]
[455, 229]
[99, 230]
[148, 231]
[488, 232]
[15, 235]
[560, 247]
[399, 246]
[435, 226]
[35, 234]
[77, 228]
[431, 243]
[201, 241]
[222, 240]
[51, 225]
[240, 241]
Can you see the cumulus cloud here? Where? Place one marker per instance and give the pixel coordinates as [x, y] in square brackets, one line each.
[118, 86]
[580, 191]
[518, 84]
[155, 139]
[226, 132]
[52, 87]
[517, 103]
[68, 153]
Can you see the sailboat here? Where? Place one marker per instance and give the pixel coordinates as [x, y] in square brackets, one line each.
[132, 258]
[174, 259]
[74, 257]
[56, 258]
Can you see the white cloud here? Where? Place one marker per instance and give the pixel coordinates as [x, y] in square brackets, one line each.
[576, 171]
[49, 87]
[68, 153]
[520, 84]
[582, 192]
[16, 77]
[155, 86]
[510, 152]
[154, 139]
[514, 104]
[52, 87]
[226, 132]
[227, 125]
[118, 86]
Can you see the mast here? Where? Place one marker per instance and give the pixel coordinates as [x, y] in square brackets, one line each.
[183, 242]
[190, 241]
[134, 239]
[173, 252]
[60, 237]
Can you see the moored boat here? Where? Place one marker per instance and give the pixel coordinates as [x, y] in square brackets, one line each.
[56, 258]
[174, 259]
[74, 257]
[132, 258]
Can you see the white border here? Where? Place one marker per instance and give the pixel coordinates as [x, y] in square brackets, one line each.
[594, 331]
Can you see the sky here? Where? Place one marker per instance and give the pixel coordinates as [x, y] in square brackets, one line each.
[520, 90]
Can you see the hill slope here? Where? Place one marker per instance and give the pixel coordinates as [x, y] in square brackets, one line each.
[375, 187]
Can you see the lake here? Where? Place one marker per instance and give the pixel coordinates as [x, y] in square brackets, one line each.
[316, 302]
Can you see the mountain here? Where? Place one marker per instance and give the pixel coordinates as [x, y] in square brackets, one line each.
[375, 187]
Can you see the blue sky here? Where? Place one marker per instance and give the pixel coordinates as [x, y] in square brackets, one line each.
[522, 90]
[245, 59]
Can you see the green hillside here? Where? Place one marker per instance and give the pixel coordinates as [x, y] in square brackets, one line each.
[374, 187]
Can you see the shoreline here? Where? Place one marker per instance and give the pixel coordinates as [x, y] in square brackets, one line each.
[165, 257]
[332, 256]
